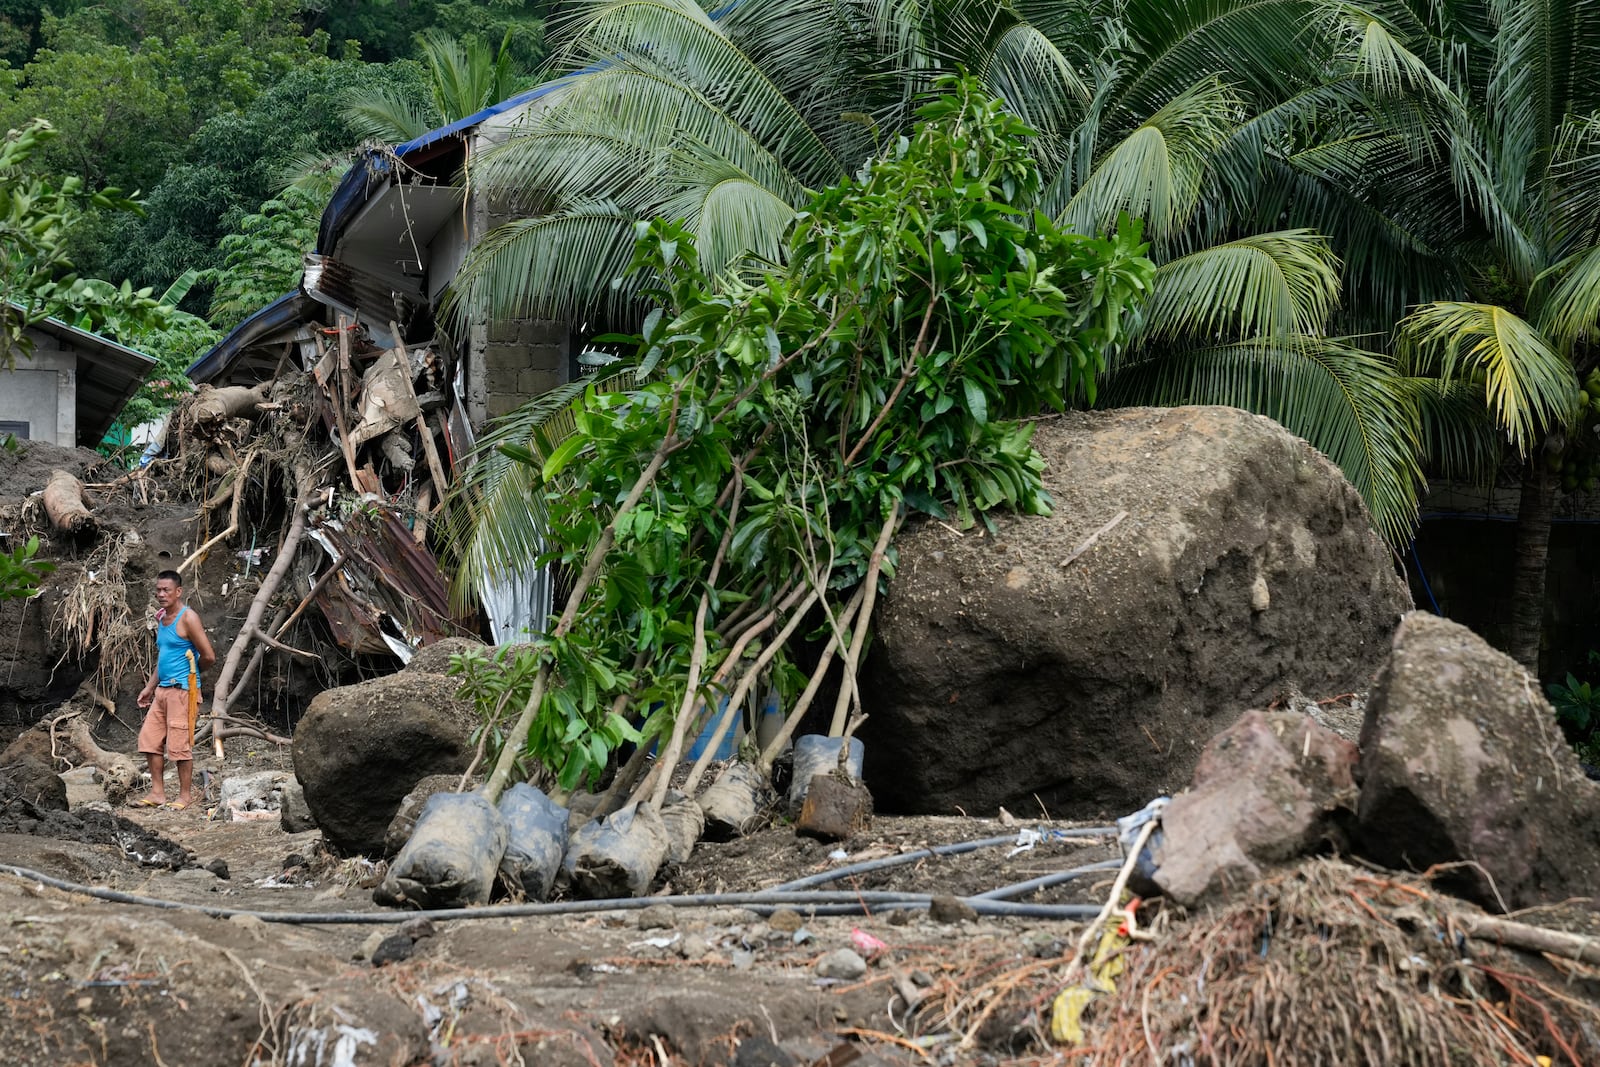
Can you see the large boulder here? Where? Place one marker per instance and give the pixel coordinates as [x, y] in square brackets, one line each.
[1462, 760]
[1082, 661]
[360, 748]
[1273, 786]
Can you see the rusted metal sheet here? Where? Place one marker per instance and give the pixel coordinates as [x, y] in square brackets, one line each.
[389, 584]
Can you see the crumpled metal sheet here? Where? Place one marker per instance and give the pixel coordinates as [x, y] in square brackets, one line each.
[389, 595]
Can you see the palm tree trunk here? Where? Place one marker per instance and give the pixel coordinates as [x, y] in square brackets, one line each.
[1532, 560]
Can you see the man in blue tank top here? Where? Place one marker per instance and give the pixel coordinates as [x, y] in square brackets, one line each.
[167, 732]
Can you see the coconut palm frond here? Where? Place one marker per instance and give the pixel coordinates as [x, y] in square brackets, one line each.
[1265, 49]
[553, 164]
[1155, 172]
[1459, 440]
[1026, 69]
[1569, 313]
[1348, 403]
[1575, 182]
[389, 116]
[731, 213]
[676, 39]
[559, 266]
[1272, 285]
[1528, 385]
[1382, 49]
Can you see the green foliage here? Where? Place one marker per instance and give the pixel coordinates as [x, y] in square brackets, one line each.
[264, 258]
[20, 573]
[168, 64]
[1576, 704]
[36, 218]
[799, 412]
[237, 162]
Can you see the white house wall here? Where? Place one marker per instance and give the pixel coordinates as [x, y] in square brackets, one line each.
[42, 392]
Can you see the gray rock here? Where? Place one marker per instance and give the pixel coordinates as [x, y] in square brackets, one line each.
[1462, 759]
[295, 816]
[395, 948]
[1273, 786]
[195, 878]
[999, 671]
[418, 928]
[949, 909]
[694, 947]
[218, 867]
[843, 964]
[360, 749]
[658, 917]
[785, 920]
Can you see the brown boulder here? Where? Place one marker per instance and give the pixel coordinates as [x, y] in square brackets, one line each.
[1462, 760]
[360, 748]
[1022, 664]
[1273, 786]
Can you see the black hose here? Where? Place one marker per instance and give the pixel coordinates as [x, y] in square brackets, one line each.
[927, 853]
[1045, 881]
[840, 903]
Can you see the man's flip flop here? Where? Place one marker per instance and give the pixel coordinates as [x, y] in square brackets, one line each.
[147, 802]
[176, 805]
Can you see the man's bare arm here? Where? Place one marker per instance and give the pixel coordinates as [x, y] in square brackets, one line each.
[196, 636]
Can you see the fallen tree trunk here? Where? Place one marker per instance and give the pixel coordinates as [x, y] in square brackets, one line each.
[120, 774]
[63, 503]
[305, 487]
[212, 405]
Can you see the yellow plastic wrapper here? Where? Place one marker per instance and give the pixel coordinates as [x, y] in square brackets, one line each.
[1107, 965]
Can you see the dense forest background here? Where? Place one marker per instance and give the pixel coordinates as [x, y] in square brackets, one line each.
[229, 121]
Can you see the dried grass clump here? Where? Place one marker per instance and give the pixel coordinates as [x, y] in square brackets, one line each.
[1332, 966]
[94, 611]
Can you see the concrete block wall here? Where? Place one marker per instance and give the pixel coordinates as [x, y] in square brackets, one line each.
[521, 359]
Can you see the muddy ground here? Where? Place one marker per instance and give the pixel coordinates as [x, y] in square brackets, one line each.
[94, 982]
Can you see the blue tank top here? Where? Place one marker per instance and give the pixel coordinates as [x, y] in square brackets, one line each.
[172, 667]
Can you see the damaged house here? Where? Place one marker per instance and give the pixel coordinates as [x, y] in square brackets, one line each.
[69, 388]
[392, 238]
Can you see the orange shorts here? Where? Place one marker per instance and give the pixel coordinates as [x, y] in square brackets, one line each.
[167, 721]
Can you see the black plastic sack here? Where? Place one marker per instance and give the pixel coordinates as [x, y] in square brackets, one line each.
[452, 856]
[685, 822]
[815, 754]
[733, 803]
[536, 839]
[617, 856]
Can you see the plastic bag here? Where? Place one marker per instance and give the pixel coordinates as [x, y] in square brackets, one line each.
[684, 822]
[733, 802]
[536, 839]
[815, 754]
[452, 856]
[617, 856]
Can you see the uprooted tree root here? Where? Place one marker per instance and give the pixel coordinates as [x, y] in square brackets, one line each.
[1325, 964]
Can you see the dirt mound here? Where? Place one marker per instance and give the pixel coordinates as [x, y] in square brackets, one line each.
[25, 469]
[143, 846]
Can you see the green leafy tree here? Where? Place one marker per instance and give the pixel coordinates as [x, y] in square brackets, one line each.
[774, 429]
[235, 164]
[264, 258]
[36, 219]
[1194, 115]
[162, 66]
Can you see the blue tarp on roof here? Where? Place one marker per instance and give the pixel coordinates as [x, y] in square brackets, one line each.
[358, 184]
[373, 168]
